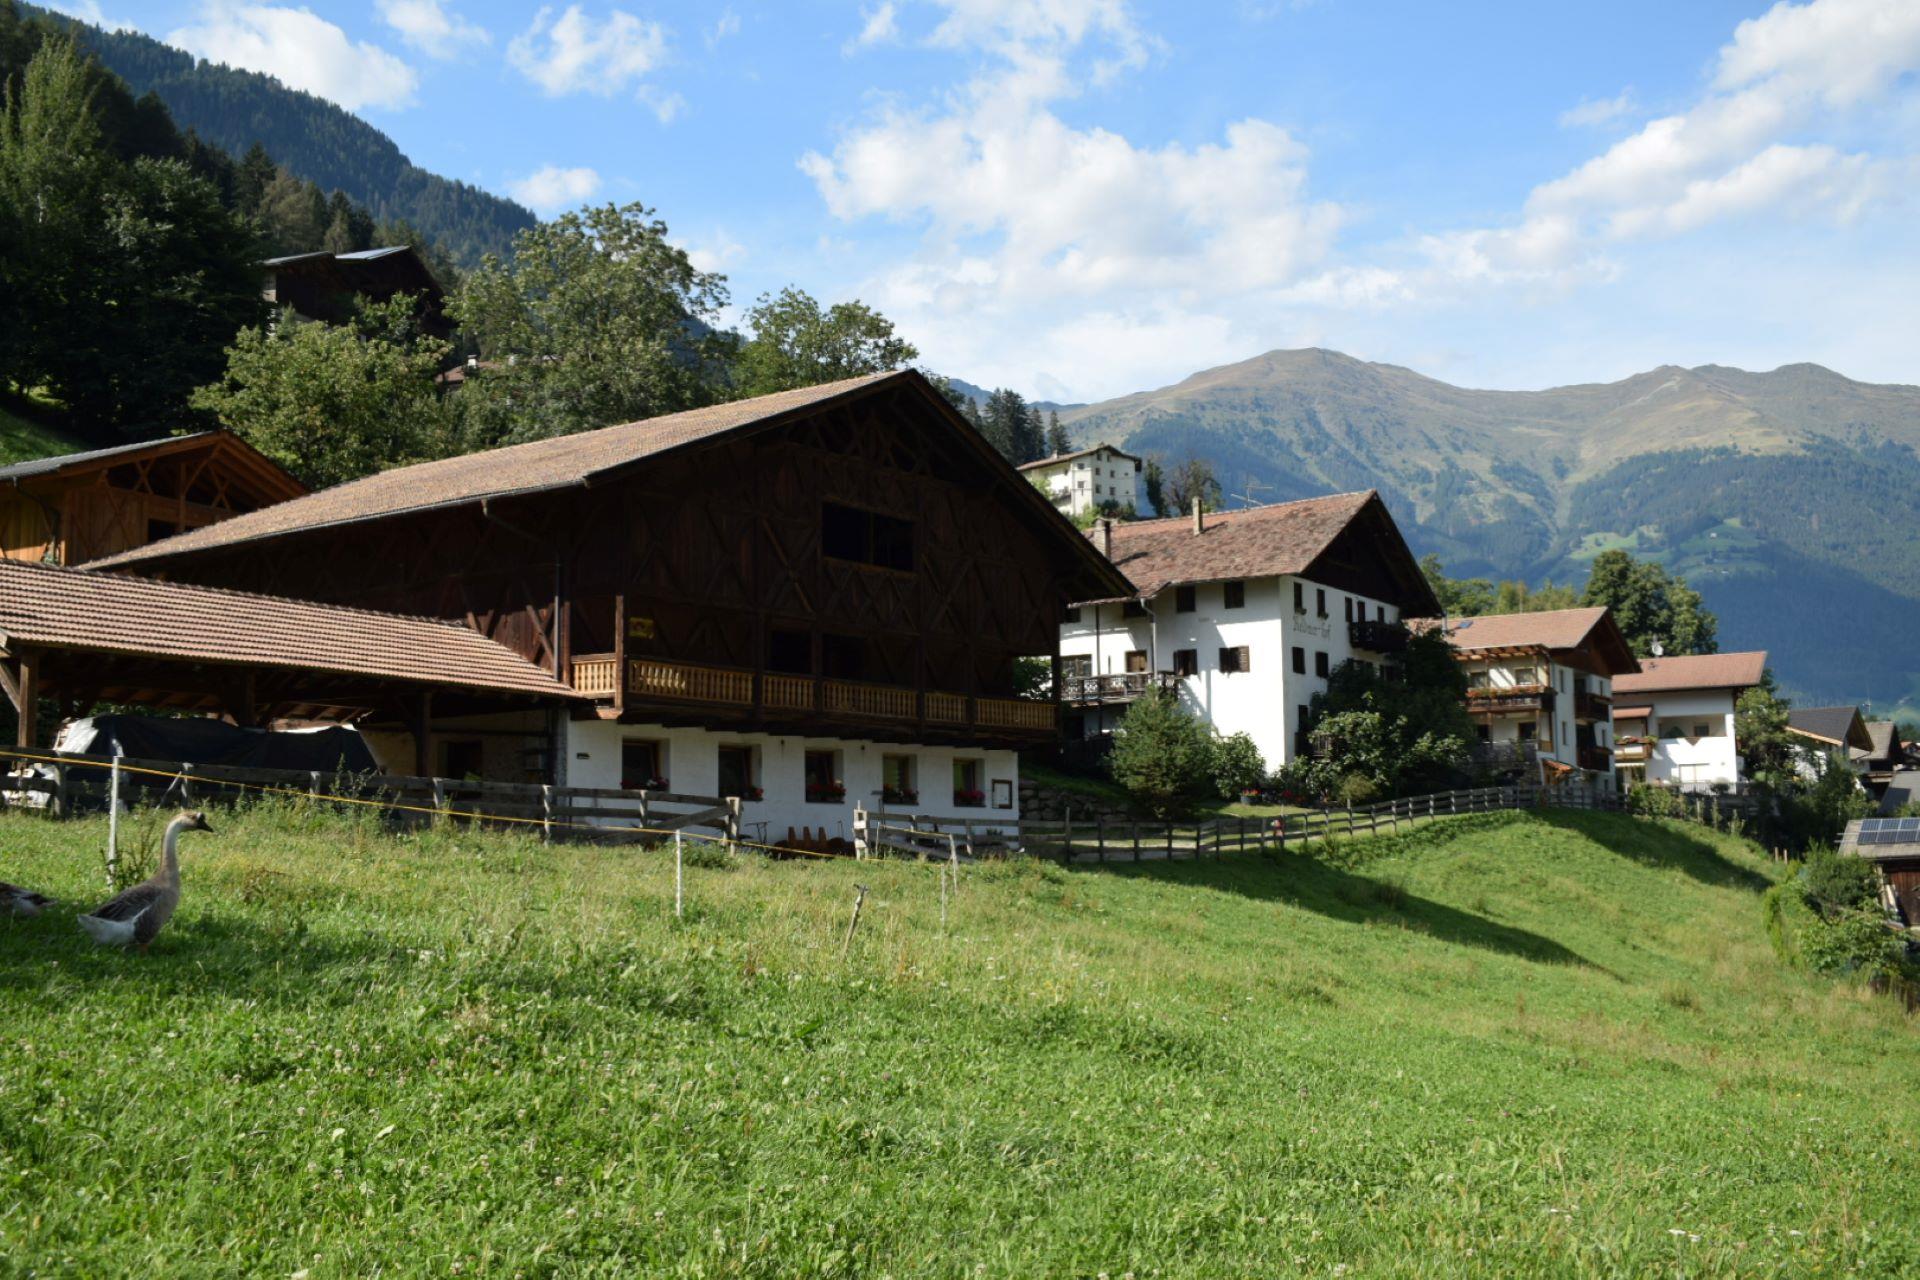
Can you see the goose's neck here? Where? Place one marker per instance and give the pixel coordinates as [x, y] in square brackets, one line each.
[170, 850]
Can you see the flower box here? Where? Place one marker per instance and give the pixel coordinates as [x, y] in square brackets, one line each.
[970, 799]
[830, 793]
[899, 795]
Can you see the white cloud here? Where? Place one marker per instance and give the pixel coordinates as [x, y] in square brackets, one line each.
[1598, 111]
[87, 11]
[1070, 235]
[879, 25]
[552, 188]
[573, 53]
[431, 27]
[718, 253]
[300, 50]
[725, 26]
[1728, 155]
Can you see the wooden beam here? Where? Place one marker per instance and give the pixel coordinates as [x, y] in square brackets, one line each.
[9, 686]
[27, 698]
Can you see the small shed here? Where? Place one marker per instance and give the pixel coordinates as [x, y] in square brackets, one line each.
[1893, 844]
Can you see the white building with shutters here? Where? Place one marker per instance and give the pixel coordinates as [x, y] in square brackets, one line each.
[1243, 613]
[1098, 479]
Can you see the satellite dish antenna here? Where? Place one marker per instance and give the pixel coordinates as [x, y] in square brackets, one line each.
[1659, 650]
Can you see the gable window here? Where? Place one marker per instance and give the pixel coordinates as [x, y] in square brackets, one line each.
[1184, 600]
[1320, 666]
[866, 537]
[1299, 660]
[1299, 598]
[1236, 658]
[1236, 595]
[1320, 601]
[643, 764]
[1186, 662]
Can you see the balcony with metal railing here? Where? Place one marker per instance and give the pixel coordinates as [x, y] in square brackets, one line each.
[1378, 636]
[1128, 686]
[1517, 698]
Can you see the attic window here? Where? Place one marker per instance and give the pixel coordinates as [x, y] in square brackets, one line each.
[866, 537]
[1184, 600]
[1236, 595]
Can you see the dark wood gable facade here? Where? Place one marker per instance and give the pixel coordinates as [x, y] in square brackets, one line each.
[866, 566]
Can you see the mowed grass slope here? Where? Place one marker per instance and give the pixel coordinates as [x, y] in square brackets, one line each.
[1504, 1045]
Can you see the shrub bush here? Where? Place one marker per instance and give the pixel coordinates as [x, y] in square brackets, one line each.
[1237, 766]
[1162, 756]
[1835, 883]
[1649, 801]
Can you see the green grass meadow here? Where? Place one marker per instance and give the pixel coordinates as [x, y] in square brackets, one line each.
[1504, 1045]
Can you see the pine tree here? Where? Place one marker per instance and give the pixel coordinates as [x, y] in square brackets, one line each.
[1058, 442]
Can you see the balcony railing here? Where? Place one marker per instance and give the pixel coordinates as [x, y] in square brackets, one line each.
[1631, 750]
[1377, 636]
[1128, 686]
[1598, 759]
[1506, 755]
[1591, 706]
[732, 690]
[1517, 697]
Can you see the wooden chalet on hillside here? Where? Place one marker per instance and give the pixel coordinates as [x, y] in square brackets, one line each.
[82, 506]
[816, 597]
[327, 286]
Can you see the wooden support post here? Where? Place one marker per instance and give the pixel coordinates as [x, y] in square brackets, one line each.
[862, 834]
[1169, 841]
[26, 699]
[733, 823]
[423, 736]
[1100, 835]
[1066, 835]
[1136, 841]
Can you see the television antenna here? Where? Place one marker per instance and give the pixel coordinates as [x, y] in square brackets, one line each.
[1246, 499]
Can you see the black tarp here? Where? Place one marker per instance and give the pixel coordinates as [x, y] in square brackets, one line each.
[201, 741]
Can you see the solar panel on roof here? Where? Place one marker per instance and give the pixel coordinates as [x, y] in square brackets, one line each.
[1888, 831]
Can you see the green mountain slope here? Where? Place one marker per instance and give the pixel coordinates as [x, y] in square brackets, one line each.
[1514, 1045]
[312, 138]
[1787, 497]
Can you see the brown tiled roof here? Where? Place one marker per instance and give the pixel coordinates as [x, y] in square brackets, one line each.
[1886, 739]
[1695, 671]
[1285, 537]
[1548, 629]
[1630, 713]
[112, 613]
[522, 468]
[1059, 458]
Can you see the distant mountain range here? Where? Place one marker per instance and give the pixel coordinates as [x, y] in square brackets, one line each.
[1791, 499]
[310, 137]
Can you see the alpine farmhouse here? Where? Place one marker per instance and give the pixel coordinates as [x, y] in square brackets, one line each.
[811, 600]
[1674, 720]
[1243, 614]
[1540, 690]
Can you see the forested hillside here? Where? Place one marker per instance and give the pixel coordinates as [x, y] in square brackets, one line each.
[313, 139]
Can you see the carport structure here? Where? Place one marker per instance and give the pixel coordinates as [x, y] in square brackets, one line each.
[77, 637]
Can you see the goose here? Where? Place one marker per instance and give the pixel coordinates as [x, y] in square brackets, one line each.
[138, 915]
[22, 902]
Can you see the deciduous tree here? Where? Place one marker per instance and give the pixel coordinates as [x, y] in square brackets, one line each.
[795, 342]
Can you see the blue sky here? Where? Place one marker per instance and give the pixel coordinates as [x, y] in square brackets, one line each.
[1080, 198]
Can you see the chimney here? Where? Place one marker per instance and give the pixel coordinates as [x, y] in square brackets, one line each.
[1199, 525]
[1103, 536]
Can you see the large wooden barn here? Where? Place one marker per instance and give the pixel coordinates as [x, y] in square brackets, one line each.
[816, 597]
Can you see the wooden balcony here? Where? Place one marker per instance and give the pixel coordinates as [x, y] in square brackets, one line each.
[1598, 759]
[1631, 751]
[1591, 706]
[1519, 699]
[798, 704]
[1378, 637]
[1131, 686]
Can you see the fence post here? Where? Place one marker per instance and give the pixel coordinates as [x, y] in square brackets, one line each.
[1100, 835]
[1066, 834]
[1170, 840]
[186, 783]
[734, 806]
[860, 836]
[113, 822]
[313, 784]
[1136, 840]
[678, 892]
[546, 815]
[60, 790]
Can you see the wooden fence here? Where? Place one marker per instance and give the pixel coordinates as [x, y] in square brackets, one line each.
[1103, 840]
[65, 783]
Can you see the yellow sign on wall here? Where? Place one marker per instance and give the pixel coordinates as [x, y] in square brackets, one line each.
[639, 628]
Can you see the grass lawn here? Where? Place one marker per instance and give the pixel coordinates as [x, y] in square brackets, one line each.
[1512, 1044]
[22, 439]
